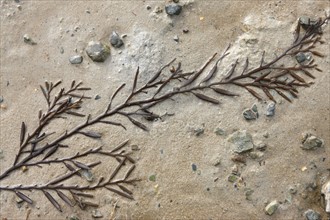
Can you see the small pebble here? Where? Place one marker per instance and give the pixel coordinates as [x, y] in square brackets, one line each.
[198, 131]
[19, 7]
[77, 59]
[301, 57]
[292, 190]
[271, 207]
[61, 50]
[239, 158]
[261, 147]
[74, 217]
[97, 97]
[256, 154]
[219, 131]
[312, 215]
[176, 38]
[266, 135]
[135, 148]
[1, 154]
[270, 111]
[152, 178]
[232, 178]
[115, 40]
[185, 30]
[248, 193]
[1, 99]
[248, 114]
[28, 40]
[158, 10]
[148, 7]
[194, 167]
[97, 51]
[96, 214]
[173, 9]
[311, 142]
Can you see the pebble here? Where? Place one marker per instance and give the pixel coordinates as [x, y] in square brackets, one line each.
[198, 131]
[248, 193]
[301, 57]
[87, 174]
[173, 9]
[96, 214]
[74, 217]
[271, 207]
[326, 192]
[266, 135]
[152, 178]
[97, 51]
[28, 40]
[1, 154]
[239, 159]
[76, 59]
[270, 111]
[158, 10]
[292, 190]
[97, 97]
[311, 142]
[115, 40]
[1, 99]
[232, 178]
[194, 167]
[242, 141]
[135, 148]
[219, 131]
[251, 113]
[256, 154]
[176, 38]
[306, 22]
[148, 7]
[186, 30]
[61, 50]
[261, 147]
[312, 215]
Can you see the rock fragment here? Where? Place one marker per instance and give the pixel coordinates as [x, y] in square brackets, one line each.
[311, 142]
[271, 207]
[77, 59]
[312, 215]
[96, 214]
[270, 111]
[326, 192]
[115, 40]
[242, 141]
[173, 9]
[28, 40]
[97, 51]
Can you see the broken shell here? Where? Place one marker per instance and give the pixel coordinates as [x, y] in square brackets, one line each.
[326, 191]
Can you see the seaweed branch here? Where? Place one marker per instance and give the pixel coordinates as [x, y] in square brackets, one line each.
[40, 146]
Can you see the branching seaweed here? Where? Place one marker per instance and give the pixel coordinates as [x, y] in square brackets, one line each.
[39, 146]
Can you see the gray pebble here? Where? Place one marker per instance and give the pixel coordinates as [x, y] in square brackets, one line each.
[97, 97]
[261, 147]
[77, 59]
[115, 40]
[186, 30]
[28, 40]
[311, 142]
[1, 99]
[97, 214]
[312, 215]
[270, 111]
[219, 131]
[61, 50]
[256, 154]
[301, 57]
[1, 154]
[74, 217]
[176, 38]
[248, 114]
[307, 22]
[194, 167]
[292, 190]
[173, 9]
[271, 207]
[148, 7]
[198, 131]
[97, 51]
[242, 141]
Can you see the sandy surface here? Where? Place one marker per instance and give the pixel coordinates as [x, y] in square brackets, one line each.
[170, 148]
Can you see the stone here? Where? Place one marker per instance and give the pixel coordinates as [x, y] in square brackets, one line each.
[97, 97]
[87, 174]
[232, 178]
[148, 7]
[312, 215]
[256, 154]
[271, 207]
[173, 9]
[28, 40]
[219, 131]
[185, 30]
[74, 217]
[97, 51]
[326, 192]
[176, 38]
[198, 131]
[135, 148]
[292, 190]
[96, 214]
[241, 140]
[301, 57]
[194, 167]
[311, 142]
[158, 10]
[248, 114]
[77, 59]
[115, 40]
[1, 154]
[248, 193]
[307, 22]
[1, 99]
[261, 147]
[270, 111]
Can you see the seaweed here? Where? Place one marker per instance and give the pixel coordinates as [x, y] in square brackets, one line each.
[41, 146]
